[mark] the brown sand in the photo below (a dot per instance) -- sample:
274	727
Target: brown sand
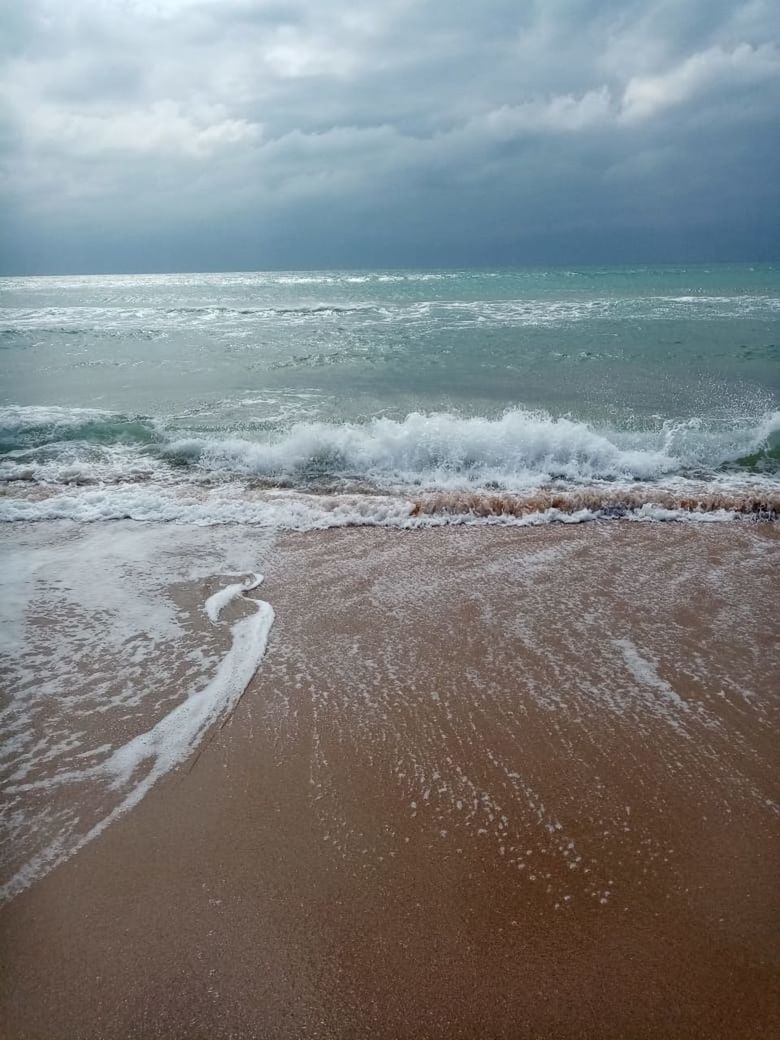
487	783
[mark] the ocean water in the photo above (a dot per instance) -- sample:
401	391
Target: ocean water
307	399
222	410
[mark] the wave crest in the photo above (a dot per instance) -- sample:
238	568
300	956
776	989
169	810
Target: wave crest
442	451
438	452
23	427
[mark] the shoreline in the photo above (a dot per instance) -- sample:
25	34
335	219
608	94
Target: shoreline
487	781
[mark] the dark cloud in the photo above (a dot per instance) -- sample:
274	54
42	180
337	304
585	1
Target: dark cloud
167	134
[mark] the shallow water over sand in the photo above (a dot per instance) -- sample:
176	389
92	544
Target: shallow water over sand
603	637
516	782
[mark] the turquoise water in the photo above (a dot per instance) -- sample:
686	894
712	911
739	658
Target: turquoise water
386	381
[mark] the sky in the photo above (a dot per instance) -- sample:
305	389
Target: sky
179	135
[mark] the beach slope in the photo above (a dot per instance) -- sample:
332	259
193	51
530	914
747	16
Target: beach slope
487	782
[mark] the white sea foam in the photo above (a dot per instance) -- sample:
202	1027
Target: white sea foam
176	736
295	511
518	450
437	450
646	673
216	603
99	466
94	641
137	765
291	511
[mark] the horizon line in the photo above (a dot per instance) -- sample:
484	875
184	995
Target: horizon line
561	265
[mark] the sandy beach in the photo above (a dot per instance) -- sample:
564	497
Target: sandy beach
487	782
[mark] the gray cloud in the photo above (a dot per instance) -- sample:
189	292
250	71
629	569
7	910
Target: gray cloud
151	134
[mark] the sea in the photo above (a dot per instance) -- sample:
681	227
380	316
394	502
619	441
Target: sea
331	398
161	436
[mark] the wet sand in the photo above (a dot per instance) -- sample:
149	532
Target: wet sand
487	783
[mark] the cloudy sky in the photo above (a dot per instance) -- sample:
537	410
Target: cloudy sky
153	135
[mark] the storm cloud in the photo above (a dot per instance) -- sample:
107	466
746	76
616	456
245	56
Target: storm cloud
224	134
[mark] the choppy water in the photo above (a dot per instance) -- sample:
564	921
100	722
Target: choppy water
210	398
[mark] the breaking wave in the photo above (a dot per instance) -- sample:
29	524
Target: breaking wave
514	452
439	452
